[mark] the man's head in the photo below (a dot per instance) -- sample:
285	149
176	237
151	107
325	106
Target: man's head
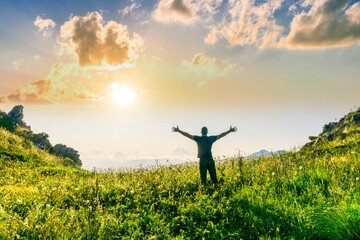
204	131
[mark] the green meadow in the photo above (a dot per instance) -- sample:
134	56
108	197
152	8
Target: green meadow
310	193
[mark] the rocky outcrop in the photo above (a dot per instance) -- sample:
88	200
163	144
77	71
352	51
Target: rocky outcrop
41	140
340	130
15	118
67	152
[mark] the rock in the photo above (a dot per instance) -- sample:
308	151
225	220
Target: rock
328	127
312	138
41	140
16	116
356	117
62	150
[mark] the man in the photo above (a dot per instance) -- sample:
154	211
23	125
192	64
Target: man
204	144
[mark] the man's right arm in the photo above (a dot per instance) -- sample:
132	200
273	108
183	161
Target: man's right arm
176	129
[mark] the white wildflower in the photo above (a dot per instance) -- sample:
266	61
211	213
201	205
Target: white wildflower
273	173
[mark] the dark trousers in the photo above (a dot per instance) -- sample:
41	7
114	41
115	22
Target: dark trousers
207	164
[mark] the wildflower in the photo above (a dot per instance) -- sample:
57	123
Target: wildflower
345	160
273	173
76	189
19	201
132	191
300	167
357	179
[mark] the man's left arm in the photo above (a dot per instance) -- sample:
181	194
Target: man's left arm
232	129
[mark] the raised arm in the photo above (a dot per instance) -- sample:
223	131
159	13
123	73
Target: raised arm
176	129
232	129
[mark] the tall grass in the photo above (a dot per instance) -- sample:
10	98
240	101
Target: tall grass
297	195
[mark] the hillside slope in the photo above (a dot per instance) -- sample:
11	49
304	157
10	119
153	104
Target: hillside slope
13	122
342	133
294	195
18	150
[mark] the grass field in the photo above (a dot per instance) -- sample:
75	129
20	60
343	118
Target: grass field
297	195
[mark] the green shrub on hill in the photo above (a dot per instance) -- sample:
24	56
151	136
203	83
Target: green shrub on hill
5	122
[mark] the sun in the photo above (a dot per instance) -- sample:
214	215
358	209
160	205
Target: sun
124	96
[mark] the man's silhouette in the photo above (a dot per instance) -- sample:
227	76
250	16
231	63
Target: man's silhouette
204	144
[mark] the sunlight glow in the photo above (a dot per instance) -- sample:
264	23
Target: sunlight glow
124	96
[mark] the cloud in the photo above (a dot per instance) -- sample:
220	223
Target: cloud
36	57
306	3
98	45
3	99
120	160
46	26
17	63
129	8
200	60
173	11
23	96
328	23
182	152
206	67
292	8
316	24
185	11
56	87
248	23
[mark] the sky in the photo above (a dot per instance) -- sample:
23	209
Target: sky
111	78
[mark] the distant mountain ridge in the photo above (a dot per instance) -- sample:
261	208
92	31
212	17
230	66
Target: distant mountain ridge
264	152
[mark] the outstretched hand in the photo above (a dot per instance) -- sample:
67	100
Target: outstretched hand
176	129
233	129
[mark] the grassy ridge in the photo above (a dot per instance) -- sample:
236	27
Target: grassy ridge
292	196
